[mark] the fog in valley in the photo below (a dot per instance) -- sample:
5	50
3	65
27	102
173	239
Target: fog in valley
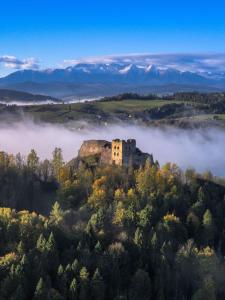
201	149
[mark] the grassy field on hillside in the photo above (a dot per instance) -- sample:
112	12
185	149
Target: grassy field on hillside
155	112
131	105
93	111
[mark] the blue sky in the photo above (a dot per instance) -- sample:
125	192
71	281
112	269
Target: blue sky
45	33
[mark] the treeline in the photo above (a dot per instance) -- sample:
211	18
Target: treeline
194	97
194	103
115	233
130	96
205	98
207	103
28	182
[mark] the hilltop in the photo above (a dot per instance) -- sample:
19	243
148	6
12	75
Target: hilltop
8	96
116	153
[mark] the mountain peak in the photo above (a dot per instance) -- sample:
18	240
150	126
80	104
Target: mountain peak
126	69
152	69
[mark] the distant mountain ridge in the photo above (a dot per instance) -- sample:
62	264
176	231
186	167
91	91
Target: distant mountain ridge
109	76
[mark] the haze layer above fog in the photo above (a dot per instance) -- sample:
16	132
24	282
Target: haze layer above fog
201	149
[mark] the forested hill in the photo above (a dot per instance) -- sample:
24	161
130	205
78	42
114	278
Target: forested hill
8	96
114	233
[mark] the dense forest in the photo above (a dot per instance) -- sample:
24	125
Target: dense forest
111	233
185	96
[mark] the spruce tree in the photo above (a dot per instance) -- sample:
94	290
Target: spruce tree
209	229
41	242
40	291
84	284
97	286
73	290
20	248
75	267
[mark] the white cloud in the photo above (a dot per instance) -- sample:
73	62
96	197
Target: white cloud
89	60
193	62
13	62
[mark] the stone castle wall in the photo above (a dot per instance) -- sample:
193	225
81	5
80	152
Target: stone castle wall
119	152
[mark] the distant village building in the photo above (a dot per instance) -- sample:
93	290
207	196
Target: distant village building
118	152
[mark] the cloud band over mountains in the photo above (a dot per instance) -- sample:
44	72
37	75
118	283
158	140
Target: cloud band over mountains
193	62
184	62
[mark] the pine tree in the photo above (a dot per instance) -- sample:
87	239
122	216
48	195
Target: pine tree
56	215
138	238
97	286
98	248
75	267
69	272
52	254
41	242
73	290
209	229
24	260
84	284
40	291
51	244
60	271
61	279
20	248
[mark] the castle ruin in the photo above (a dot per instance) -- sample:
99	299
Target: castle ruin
118	152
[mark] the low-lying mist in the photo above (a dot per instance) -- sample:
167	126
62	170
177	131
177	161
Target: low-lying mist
67	100
201	149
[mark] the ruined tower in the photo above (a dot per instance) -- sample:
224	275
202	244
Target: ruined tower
118	152
123	151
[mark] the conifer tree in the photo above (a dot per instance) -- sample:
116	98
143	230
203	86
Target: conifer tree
20	248
51	244
98	247
61	279
208	225
75	267
84	284
40	291
97	286
73	290
56	215
41	243
52	254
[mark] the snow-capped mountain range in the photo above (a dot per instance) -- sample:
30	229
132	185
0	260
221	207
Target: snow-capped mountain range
110	77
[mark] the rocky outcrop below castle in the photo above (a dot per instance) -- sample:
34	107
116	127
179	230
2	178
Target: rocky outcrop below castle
98	148
117	152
